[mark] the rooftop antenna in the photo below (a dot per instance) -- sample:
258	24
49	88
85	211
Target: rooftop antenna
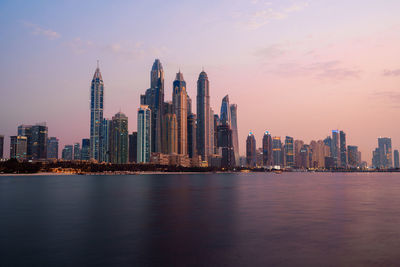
97	63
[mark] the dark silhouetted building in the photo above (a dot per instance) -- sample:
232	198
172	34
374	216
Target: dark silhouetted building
203	135
85	151
119	140
289	152
343	150
251	151
267	149
192	129
77	151
353	160
96	114
1	146
133	147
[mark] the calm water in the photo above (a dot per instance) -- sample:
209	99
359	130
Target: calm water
290	219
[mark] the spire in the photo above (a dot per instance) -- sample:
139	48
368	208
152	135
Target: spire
97	73
179	76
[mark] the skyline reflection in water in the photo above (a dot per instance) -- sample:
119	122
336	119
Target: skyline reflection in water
201	219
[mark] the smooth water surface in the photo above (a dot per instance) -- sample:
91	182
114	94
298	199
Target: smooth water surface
255	219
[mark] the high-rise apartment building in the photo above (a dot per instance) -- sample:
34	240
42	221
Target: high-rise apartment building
119	139
67	152
105	140
277	151
1	146
396	159
289	152
343	150
18	147
385	152
85	151
77	151
192	128
335	147
353	160
267	149
96	114
144	134
204	148
52	148
180	100
133	147
251	151
235	134
26	130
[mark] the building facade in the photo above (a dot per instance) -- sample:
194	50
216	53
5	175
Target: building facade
144	134
180	101
18	147
251	151
52	148
119	139
204	148
96	114
133	147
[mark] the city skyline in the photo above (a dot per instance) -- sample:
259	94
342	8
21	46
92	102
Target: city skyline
347	82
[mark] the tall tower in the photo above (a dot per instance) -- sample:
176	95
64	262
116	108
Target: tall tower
251	150
96	113
203	117
225	116
289	151
267	149
156	104
119	139
343	150
180	101
335	147
143	134
235	135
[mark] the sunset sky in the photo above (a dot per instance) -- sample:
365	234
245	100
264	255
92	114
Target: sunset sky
297	68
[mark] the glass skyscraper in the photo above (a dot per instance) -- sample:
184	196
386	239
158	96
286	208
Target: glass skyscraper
180	101
204	148
251	153
144	134
119	140
96	114
52	148
235	134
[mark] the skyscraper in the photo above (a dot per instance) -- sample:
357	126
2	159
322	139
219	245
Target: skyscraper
235	134
289	151
385	152
215	124
67	152
396	159
1	146
171	134
18	147
335	147
224	130
180	101
96	114
343	150
203	116
353	160
192	128
52	148
251	151
211	134
39	141
119	139
277	151
85	151
105	140
133	147
144	134
267	149
154	98
77	151
26	130
298	144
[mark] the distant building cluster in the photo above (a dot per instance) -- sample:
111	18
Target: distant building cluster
330	153
170	133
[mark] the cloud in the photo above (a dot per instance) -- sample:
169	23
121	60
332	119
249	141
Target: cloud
331	70
271	51
37	30
389	73
388	96
80	46
263	16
